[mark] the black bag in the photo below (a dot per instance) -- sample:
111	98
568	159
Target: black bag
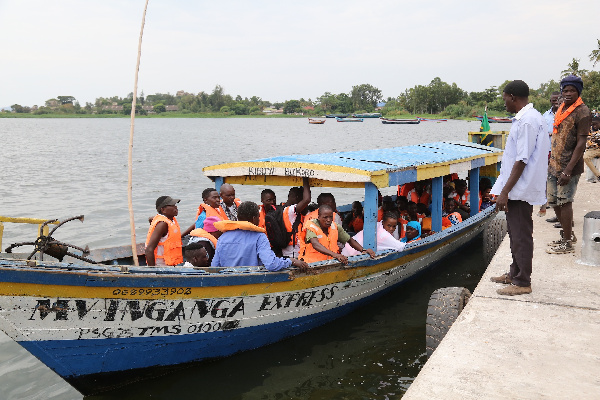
278	235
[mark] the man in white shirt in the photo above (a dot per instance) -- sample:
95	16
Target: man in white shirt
521	184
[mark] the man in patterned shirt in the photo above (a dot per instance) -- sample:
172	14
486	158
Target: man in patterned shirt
571	129
592	151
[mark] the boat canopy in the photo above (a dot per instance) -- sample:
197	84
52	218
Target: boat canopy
368	169
352	169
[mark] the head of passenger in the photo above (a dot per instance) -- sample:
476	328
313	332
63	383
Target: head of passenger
211	197
419	187
389	222
227	194
412	209
249	211
387	204
555	101
460	186
325	216
357	209
421	208
450	206
485	183
209	226
571	87
413	231
196	254
167	206
515	94
327	199
295	195
402	203
595	124
267	198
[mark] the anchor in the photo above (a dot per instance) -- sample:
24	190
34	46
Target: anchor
46	244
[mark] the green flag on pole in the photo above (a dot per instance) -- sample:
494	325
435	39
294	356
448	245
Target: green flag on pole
486	140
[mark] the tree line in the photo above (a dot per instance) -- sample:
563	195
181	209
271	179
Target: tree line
437	97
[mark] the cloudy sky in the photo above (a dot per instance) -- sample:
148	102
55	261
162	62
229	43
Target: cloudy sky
281	50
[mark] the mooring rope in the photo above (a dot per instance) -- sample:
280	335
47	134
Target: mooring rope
130	161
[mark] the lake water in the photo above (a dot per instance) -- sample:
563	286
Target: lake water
58	168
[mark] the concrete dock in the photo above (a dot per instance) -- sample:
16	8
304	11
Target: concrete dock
543	345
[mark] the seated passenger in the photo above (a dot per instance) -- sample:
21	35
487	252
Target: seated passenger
321	238
387	205
196	256
450	216
325	199
243	243
229	203
413	232
385	240
268	200
486	198
418	194
207	241
402	205
462	197
413	215
355	219
211	207
163	242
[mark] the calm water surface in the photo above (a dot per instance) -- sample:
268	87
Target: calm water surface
58	168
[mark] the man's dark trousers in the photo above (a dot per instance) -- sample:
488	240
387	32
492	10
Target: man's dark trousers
520	231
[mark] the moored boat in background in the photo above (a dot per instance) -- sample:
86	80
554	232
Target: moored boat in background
367	115
316	121
349	119
399	121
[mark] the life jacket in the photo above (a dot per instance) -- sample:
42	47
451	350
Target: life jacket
464	199
308	253
211	212
451	219
404	189
357	224
225	226
261	216
199	232
315	215
289	227
423	199
379	214
170	249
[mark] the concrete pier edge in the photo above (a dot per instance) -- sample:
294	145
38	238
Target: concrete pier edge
543	345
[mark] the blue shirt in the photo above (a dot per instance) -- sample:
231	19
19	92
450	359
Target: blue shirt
240	248
200	220
528	141
549	118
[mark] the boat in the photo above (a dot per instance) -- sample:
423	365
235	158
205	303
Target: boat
349	119
433	119
367	115
400	121
316	121
337	115
504	120
96	321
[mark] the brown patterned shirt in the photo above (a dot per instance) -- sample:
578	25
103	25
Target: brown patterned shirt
565	140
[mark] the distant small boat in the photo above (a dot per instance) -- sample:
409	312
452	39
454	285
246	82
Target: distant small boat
316	121
504	120
400	121
337	115
433	119
367	115
349	119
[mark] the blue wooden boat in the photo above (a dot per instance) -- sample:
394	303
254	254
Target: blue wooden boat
97	324
337	115
391	121
349	119
367	115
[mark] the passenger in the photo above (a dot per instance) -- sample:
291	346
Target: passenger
413	232
461	195
329	200
209	226
243	243
487	198
403	190
229	203
387	205
293	218
321	238
210	208
413	214
203	233
422	210
402	204
450	216
268	200
208	242
419	195
163	242
355	219
385	238
592	151
196	256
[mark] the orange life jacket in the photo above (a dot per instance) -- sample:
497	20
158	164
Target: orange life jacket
225	226
211	212
447	223
170	249
329	241
288	224
199	232
423	199
464	199
315	215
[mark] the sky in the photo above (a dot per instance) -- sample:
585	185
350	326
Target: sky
283	50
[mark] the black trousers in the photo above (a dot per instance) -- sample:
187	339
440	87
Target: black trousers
520	232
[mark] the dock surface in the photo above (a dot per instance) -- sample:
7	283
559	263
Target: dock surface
543	345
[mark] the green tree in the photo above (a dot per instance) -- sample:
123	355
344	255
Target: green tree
225	110
17	108
291	106
365	97
595	54
66	99
159	108
573	69
217	98
240	109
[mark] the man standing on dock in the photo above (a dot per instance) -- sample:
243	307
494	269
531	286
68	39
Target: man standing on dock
571	129
521	184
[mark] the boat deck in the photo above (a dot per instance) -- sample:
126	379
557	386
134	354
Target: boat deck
537	346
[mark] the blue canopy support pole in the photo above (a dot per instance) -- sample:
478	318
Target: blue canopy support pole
370	225
437	192
474	190
218	183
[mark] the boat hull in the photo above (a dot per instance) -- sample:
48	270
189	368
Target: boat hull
119	322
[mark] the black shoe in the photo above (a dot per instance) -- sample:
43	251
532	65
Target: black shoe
553	219
557	225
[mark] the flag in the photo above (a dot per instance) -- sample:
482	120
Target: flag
486	140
